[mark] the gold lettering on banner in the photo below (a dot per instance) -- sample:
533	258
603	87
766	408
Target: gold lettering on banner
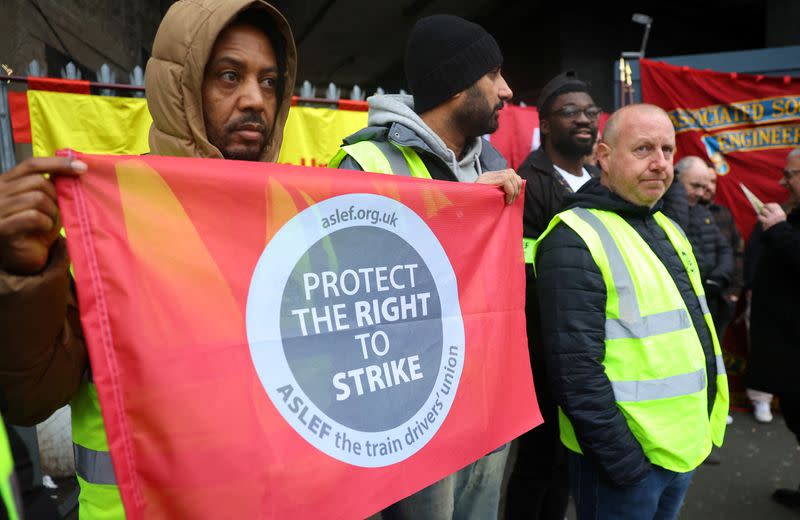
751	139
756	112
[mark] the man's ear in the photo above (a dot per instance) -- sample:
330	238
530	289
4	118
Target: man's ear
544	127
603	153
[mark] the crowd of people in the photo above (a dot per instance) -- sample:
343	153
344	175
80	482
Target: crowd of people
632	269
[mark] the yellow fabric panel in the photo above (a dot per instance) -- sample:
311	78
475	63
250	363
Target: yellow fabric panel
313	135
89	124
114	125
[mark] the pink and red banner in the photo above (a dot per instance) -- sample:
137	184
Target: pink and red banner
271	341
744	125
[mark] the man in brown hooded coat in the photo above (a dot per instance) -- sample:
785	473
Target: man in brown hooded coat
219	85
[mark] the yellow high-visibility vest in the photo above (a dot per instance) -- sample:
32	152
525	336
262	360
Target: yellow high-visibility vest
383	157
653	355
99	497
8	491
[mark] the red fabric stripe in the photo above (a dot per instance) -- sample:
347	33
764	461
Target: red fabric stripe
72	86
20	118
347	104
342	104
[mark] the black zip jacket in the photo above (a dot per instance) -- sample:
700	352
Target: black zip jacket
713	253
544	191
572	298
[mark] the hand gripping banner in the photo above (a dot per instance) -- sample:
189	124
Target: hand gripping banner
271	341
743	125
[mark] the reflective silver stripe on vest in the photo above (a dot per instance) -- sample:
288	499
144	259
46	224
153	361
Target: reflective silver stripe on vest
94	466
652	389
630	324
720	366
703	304
395	158
651	325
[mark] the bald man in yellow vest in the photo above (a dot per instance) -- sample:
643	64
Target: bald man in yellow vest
634	361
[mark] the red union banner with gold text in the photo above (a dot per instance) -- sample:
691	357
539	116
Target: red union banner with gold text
744	125
272	341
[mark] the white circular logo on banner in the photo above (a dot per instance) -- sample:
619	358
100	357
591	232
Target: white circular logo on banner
355	328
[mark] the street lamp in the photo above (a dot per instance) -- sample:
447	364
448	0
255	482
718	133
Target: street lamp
647	21
626	83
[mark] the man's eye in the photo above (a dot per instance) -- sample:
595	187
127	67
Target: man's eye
228	76
268	82
569	111
593	112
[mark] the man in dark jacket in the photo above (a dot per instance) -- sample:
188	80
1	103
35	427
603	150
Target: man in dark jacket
568	124
713	252
774	327
632	357
539	487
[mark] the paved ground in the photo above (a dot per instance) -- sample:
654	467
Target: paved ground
756	459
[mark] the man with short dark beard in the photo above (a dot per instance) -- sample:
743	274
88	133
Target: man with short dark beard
453	70
538	488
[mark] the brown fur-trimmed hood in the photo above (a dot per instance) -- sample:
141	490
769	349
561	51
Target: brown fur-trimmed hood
175	71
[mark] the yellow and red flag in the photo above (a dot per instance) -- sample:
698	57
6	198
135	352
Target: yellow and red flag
271	341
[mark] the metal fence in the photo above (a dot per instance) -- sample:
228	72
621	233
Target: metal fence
106	83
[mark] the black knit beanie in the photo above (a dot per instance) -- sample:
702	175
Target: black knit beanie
446	54
564	83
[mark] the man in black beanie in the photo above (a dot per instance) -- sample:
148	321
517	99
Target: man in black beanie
539	486
453	71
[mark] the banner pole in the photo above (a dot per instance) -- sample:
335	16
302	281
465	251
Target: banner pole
8	158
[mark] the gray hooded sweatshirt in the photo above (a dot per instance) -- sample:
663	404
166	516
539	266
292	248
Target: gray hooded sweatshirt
399	108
